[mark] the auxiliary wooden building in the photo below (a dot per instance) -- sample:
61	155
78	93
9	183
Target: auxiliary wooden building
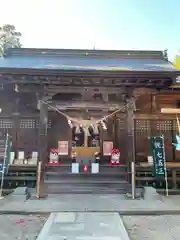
44	91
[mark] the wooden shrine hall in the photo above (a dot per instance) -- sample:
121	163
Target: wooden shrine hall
46	93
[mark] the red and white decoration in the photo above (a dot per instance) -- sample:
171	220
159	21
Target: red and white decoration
53	156
115	156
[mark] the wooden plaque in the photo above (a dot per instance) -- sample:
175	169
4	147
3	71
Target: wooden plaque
107	148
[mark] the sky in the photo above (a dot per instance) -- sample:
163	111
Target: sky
103	24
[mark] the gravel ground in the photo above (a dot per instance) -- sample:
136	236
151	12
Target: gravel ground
153	227
15	227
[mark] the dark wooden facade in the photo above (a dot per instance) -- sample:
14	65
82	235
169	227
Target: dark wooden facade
139	93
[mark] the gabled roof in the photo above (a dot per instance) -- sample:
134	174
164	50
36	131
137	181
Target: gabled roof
62	59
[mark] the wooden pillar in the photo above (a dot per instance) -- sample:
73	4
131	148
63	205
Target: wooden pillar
110	125
115	131
42	144
130	144
16	123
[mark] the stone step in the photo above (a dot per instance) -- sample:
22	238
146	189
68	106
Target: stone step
104	182
52	189
102	168
110	179
64	175
88	186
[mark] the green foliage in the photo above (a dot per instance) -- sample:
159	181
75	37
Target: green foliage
9	38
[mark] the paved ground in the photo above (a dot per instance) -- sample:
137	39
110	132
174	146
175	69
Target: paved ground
27	227
84	226
78	203
153	227
16	227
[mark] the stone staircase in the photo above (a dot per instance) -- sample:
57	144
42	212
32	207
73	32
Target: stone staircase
59	179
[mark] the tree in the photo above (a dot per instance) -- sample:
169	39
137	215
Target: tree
9	38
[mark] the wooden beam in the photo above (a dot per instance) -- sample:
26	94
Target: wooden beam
42	144
170	110
158	116
175	86
144	91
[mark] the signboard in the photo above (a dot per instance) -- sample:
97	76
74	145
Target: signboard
158	154
107	148
63	148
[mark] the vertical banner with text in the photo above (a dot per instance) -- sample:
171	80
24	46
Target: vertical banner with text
158	154
4	167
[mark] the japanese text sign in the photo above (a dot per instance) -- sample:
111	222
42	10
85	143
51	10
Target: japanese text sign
157	148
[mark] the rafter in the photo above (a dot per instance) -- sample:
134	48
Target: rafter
92	79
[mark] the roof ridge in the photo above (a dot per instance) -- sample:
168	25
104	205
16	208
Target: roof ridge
144	54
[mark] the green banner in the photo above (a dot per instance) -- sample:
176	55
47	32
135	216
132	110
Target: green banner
158	154
7	154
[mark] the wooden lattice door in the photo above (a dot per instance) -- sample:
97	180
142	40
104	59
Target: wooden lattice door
142	130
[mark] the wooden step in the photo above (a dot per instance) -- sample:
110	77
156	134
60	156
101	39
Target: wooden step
102	168
86	182
110	179
96	189
108	175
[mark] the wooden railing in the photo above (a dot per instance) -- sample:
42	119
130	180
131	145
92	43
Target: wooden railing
144	175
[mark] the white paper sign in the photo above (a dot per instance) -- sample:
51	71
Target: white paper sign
75	168
150	159
34	154
20	155
94	167
12	156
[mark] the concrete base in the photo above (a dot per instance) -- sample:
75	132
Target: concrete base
22	191
150	193
139	194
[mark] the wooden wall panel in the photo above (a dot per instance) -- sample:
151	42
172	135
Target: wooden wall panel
6	125
143	103
147	128
121	137
165	127
142	132
59	130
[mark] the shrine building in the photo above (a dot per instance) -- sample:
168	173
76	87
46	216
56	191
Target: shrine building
87	101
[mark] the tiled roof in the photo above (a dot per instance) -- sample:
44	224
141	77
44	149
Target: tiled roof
86	62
